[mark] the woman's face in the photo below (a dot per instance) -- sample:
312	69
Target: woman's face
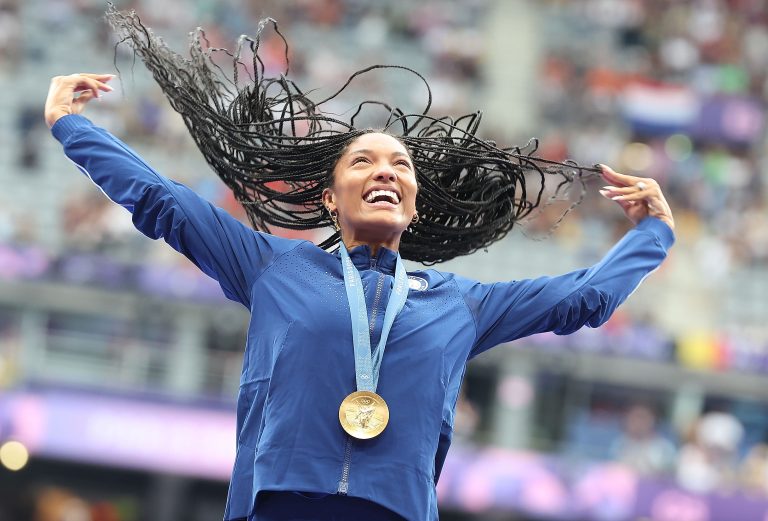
374	189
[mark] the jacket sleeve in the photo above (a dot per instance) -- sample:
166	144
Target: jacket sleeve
220	245
506	311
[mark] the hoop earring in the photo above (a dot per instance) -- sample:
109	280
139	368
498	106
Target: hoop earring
414	220
335	219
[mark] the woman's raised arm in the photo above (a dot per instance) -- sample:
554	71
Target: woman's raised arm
505	311
216	242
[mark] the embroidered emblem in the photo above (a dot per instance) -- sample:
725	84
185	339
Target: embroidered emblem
417	283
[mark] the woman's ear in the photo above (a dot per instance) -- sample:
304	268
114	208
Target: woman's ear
329	201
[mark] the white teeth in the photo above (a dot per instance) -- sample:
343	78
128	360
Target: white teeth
392	196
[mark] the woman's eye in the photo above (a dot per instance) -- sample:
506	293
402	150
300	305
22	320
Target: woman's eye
358	160
404	163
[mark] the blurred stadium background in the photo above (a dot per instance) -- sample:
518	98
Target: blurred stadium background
119	361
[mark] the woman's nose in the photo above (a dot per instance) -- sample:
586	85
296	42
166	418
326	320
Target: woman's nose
386	173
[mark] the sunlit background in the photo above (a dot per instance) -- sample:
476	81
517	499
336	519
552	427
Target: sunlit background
119	360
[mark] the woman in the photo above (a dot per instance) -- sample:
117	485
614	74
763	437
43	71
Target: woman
320	435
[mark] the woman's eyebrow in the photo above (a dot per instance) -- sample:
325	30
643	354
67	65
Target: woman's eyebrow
368	151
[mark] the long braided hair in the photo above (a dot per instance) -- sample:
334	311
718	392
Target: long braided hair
276	149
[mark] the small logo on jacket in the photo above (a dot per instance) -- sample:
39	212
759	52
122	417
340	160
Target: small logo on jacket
417	283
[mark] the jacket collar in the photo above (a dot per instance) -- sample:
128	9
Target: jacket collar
385	261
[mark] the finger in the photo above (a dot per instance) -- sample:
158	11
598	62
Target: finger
83	98
625	205
629	199
637	195
620	190
78	104
644	186
103	86
615	177
100	77
635	210
85	83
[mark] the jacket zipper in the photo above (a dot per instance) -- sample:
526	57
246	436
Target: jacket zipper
376	299
344	482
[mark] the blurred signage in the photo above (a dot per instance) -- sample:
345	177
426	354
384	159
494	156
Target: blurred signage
661	110
121	432
549	488
196	441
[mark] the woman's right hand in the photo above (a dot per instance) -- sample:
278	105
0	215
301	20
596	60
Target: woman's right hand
61	94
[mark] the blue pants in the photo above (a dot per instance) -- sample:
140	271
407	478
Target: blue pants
292	506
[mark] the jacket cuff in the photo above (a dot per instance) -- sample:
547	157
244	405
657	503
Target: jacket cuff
65	126
658	228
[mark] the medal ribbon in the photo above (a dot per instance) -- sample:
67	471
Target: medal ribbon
367	363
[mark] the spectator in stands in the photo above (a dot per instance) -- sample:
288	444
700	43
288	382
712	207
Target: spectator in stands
708	460
753	473
641	446
10	35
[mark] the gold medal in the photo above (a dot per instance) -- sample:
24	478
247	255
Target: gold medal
363	414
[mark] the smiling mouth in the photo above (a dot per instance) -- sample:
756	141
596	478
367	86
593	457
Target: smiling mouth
382	196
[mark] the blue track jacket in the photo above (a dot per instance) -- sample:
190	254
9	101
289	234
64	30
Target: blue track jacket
299	364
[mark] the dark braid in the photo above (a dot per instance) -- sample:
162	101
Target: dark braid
276	149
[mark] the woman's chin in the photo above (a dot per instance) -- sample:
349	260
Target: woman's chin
381	226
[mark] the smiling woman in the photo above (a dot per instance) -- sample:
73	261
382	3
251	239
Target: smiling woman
327	426
372	192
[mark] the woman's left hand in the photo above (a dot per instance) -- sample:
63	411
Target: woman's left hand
639	197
